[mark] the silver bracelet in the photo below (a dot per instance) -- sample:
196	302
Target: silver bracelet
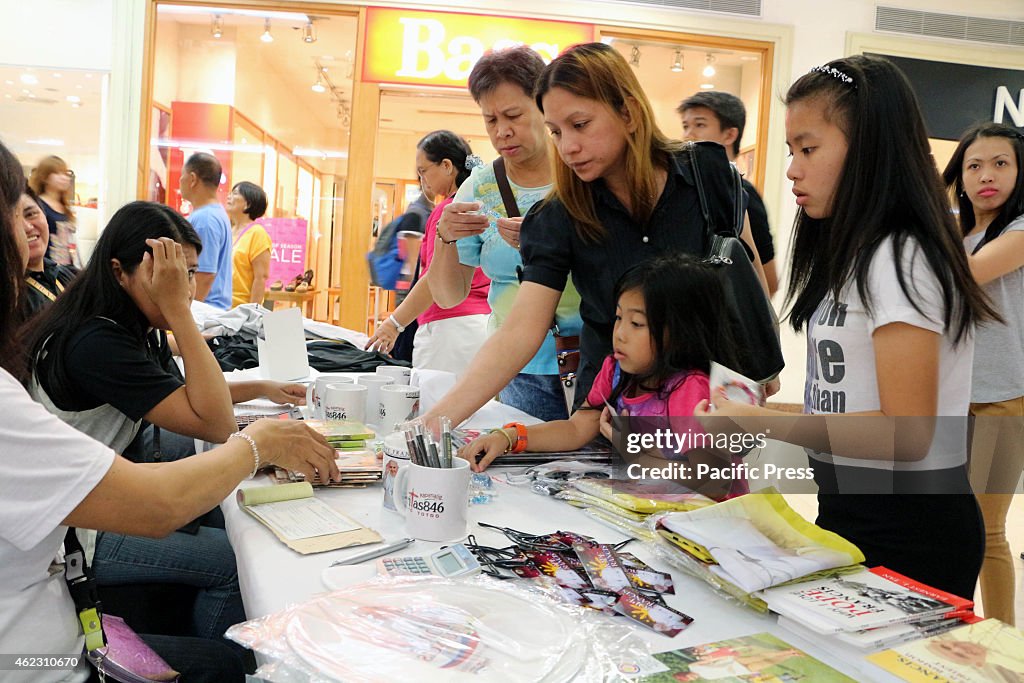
255	451
394	321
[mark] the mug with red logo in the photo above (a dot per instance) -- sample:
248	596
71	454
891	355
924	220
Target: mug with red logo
434	500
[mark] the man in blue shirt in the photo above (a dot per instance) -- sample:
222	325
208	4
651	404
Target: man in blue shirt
200	178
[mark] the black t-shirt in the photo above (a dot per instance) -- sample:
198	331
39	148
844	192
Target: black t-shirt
48	278
110	363
552	250
759	228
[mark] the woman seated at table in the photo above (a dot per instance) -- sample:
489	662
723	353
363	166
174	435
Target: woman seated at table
251	245
98	358
46	279
52	476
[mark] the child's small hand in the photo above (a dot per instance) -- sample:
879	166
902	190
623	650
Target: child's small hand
489	445
607	428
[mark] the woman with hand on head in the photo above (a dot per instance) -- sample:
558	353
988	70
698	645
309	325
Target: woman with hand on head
250	260
98	358
881	282
46	280
446	338
51	181
53	476
476	231
623	194
985	177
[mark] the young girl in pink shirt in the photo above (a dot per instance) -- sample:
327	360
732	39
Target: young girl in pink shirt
668	329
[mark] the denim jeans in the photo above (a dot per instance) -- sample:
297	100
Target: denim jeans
204	560
539	395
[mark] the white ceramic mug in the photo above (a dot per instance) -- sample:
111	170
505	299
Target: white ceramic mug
398	403
434	500
345	401
400	374
373	383
315	392
396	456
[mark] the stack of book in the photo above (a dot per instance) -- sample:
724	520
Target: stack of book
343	435
357	467
866	611
751	543
626	504
987	650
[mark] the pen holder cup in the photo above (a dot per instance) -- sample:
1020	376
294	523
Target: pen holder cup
434	500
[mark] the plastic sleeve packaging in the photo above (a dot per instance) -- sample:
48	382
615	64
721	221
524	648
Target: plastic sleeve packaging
428	629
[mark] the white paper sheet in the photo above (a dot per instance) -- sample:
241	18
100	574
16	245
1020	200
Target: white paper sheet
303	518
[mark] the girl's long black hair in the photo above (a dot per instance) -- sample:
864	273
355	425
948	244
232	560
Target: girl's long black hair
954	179
889	187
96	291
684	303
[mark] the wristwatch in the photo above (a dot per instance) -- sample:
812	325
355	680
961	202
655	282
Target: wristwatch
520	428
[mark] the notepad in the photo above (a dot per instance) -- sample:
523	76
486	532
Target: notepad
300	520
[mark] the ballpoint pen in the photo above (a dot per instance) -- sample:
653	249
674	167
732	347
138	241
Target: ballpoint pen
375	552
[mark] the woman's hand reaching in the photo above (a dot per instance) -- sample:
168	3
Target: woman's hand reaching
294	446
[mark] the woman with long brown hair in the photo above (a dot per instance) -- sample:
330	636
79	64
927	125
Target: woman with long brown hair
622	195
52	180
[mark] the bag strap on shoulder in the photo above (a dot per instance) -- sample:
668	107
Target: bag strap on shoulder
507	197
82	587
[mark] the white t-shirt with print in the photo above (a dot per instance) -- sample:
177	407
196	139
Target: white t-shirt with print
841	376
46	469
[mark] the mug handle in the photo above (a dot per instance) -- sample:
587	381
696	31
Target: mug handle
400	493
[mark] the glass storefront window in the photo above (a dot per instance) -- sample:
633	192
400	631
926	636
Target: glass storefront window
269	93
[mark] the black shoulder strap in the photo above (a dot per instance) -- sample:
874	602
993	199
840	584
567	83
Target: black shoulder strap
511	208
82	587
737	197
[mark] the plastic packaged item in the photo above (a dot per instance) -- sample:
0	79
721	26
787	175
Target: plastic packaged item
551	478
644	497
481	489
434	629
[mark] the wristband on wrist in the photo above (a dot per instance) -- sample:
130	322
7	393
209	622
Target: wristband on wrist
394	321
504	433
443	240
254	448
521	439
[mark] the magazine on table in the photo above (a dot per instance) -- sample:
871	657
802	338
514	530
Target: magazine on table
871	599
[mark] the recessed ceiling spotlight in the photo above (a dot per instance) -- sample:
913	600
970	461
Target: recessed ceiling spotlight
634	56
319	85
29	79
709	70
217	28
677	65
73	98
707	86
308	33
266	37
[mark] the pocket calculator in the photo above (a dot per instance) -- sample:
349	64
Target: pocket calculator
455	560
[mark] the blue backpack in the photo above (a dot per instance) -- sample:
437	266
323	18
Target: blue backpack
383	261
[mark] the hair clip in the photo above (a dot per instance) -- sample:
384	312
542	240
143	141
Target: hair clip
833	72
473	161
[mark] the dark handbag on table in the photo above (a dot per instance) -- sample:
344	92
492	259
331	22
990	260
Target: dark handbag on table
567	348
755	326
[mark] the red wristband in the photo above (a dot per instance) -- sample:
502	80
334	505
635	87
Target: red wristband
520	436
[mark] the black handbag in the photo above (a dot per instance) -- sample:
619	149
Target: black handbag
755	326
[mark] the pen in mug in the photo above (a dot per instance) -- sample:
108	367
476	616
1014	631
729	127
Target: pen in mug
410	443
446	441
432	455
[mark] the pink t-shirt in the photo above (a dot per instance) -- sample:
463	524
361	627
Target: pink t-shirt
476	302
686	390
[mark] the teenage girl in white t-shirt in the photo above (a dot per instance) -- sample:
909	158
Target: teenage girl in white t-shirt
986	179
881	283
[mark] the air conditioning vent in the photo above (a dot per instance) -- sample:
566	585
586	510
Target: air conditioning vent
949	26
748	8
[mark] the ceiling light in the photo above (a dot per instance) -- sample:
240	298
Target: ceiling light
50	142
319	85
707	86
29	79
76	105
677	65
217	29
9	82
73	98
709	70
266	37
55	75
634	56
308	34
